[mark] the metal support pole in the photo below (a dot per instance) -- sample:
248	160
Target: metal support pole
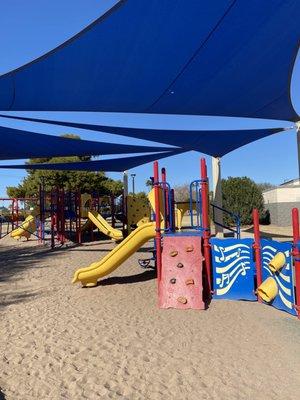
217	194
205	224
157	222
257	249
133	183
125	183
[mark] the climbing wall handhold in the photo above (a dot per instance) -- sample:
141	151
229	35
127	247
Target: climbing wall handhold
179	265
173	253
190	281
189	249
182	300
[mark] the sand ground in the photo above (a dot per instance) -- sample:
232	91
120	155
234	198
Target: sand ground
59	341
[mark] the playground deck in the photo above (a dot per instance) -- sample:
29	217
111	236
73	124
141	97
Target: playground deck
63	342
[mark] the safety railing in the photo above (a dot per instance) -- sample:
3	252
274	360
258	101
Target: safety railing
167	206
235	217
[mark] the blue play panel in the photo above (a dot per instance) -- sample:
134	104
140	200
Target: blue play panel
233	269
285	299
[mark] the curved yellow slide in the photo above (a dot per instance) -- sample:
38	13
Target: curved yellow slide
25	229
89	276
104	226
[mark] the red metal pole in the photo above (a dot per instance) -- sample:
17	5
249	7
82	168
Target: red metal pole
157	221
63	216
257	249
296	254
79	217
113	211
205	223
17	211
13	214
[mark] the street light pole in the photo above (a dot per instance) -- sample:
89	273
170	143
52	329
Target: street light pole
133	187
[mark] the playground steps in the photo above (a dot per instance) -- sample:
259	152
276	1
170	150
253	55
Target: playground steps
181	281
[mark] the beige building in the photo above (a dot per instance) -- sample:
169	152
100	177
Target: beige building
281	200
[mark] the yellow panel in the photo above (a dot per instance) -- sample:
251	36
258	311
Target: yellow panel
138	211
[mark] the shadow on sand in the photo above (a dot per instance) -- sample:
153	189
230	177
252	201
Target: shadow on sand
147	275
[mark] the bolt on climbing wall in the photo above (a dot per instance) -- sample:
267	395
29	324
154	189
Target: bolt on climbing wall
181	277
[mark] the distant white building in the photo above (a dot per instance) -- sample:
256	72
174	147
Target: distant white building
281	200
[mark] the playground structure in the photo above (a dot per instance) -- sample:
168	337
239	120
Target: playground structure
194	268
57	216
19	217
60	216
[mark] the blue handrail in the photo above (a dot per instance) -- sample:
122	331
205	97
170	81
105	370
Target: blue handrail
195	185
168	216
236	218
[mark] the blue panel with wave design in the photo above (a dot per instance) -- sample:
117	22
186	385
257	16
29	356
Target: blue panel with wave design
233	269
285	299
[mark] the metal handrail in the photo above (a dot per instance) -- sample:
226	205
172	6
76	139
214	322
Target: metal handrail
197	185
236	218
170	215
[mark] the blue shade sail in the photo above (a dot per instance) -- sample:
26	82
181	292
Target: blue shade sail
17	144
221	57
111	165
214	143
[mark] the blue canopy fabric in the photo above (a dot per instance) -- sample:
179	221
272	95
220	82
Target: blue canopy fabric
111	165
17	144
221	57
214	143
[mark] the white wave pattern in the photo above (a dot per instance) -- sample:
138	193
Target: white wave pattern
237	258
268	253
222	270
226	289
230	248
234	254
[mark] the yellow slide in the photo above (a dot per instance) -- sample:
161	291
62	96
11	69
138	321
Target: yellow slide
89	276
104	226
25	229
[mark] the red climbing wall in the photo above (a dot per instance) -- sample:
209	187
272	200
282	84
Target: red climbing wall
181	278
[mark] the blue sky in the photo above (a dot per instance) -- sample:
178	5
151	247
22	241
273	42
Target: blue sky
30	28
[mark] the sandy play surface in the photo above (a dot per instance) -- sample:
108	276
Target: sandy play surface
59	341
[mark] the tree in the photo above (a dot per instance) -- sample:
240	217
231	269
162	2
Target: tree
265	186
139	195
240	196
182	192
84	181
